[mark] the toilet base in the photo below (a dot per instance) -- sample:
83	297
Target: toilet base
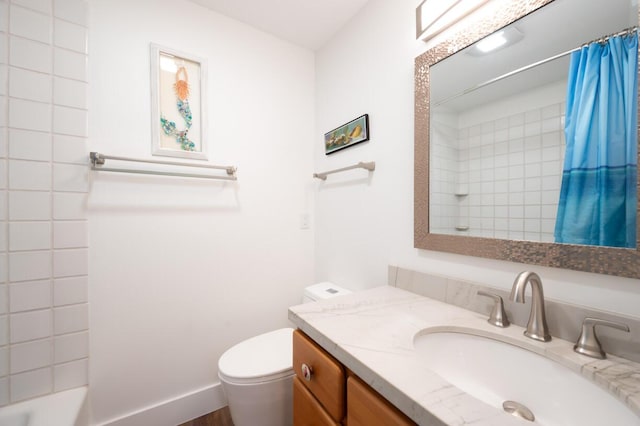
264	404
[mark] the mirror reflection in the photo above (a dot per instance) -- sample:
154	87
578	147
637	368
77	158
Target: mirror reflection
537	140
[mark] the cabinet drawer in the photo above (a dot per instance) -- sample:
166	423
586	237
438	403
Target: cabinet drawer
307	411
365	407
327	380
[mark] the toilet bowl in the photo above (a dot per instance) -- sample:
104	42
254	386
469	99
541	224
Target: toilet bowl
257	373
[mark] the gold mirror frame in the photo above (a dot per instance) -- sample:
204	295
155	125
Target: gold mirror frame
602	260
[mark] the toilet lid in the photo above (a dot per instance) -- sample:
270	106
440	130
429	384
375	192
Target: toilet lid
260	358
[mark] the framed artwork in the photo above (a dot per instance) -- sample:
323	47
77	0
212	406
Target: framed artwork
347	135
178	105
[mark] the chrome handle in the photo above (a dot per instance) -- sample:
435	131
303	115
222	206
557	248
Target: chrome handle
498	315
307	372
588	343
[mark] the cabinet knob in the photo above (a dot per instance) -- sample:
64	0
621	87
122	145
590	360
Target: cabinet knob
307	372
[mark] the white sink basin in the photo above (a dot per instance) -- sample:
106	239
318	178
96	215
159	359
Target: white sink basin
494	372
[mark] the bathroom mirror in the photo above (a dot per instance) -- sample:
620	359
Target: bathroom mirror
454	80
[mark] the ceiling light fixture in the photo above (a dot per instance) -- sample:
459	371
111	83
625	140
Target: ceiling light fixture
492	42
496	41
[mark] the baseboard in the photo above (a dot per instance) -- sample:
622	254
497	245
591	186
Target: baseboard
175	411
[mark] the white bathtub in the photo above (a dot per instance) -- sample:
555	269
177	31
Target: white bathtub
66	408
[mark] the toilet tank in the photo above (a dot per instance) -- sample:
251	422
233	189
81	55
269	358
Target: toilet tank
323	290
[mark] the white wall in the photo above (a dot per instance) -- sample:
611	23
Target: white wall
363	226
183	269
43	184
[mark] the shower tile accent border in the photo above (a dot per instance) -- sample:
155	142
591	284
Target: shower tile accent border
564	319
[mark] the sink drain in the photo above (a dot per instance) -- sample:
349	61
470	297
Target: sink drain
518	410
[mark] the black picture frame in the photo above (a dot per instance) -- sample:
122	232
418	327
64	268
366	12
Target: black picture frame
349	134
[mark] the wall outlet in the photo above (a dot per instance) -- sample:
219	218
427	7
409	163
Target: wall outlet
305	221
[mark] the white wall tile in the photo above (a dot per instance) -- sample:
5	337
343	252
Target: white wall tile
4	330
67	263
70	375
29	54
29	145
30	85
4	299
29	205
29	115
70	121
4	111
4	361
70	347
70	149
70	36
551	111
40	5
4	79
4	274
70	319
31	175
4	391
3	174
32	355
25	266
68	291
29	24
70	178
3	204
29	235
70	64
30	384
4	16
69	206
4	48
4	142
70	93
75	11
29	295
3	237
68	234
30	326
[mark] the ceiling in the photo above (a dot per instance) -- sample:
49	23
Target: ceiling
307	23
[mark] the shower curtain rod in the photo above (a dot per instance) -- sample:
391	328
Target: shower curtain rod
627	31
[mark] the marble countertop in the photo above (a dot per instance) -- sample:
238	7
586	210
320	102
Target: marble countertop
371	332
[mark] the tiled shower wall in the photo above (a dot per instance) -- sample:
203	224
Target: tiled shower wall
512	168
43	191
506	173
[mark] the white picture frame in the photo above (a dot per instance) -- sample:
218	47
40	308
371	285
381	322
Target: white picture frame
178	104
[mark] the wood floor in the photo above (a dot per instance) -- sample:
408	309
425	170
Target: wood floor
221	417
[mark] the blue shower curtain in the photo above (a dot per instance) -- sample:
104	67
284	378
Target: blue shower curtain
598	195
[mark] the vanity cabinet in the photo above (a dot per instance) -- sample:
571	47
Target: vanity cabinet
365	407
319	385
324	393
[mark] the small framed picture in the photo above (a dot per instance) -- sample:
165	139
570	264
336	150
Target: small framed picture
347	135
178	104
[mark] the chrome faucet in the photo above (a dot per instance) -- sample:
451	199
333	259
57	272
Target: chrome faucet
537	328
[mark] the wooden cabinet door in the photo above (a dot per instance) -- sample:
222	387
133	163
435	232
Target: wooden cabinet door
327	380
365	407
307	411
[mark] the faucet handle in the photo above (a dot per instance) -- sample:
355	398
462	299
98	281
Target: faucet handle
498	316
588	343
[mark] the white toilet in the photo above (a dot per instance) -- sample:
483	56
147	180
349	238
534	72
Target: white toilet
257	374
